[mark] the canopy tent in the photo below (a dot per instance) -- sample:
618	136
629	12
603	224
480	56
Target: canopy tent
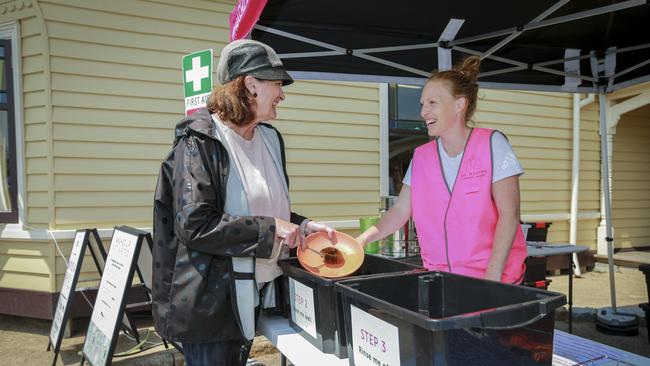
546	45
583	46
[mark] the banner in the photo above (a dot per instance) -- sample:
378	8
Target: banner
244	17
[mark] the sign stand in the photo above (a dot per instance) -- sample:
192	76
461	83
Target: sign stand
110	304
98	253
67	294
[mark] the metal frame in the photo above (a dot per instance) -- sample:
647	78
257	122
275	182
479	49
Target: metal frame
449	45
517	32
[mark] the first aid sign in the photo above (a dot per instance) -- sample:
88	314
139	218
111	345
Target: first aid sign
197	79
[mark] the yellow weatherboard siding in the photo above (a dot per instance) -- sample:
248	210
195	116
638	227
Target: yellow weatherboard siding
116	94
93	145
26	265
631	180
540	128
35	126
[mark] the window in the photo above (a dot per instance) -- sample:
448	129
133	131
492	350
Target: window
406	131
8	173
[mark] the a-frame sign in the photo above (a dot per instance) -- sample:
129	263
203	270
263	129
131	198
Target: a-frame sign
108	311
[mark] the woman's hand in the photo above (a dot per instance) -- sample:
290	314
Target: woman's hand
288	233
313	227
391	221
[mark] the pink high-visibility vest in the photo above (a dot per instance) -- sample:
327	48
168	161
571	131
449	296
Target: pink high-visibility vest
456	225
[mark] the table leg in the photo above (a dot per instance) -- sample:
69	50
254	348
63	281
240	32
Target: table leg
571	267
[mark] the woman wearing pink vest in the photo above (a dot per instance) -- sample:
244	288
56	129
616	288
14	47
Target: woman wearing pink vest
462	188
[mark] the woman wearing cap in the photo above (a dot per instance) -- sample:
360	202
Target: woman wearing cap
222	213
462	188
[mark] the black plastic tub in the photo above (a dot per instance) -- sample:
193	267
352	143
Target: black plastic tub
538	231
415	260
646	307
439	318
313	306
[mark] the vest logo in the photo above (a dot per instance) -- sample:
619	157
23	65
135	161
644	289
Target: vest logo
475	170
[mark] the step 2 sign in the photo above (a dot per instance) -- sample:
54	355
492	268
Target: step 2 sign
197	79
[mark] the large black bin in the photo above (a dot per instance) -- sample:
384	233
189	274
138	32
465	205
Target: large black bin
439	318
314	307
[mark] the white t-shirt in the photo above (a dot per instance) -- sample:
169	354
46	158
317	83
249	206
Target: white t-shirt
263	187
504	162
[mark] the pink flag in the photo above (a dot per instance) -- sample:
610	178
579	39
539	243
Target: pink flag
244	16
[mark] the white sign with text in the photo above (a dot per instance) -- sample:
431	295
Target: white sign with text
110	295
302	307
73	261
374	342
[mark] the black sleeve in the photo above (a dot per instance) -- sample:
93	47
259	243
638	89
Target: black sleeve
201	223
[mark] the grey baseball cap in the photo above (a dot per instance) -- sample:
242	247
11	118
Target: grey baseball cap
249	57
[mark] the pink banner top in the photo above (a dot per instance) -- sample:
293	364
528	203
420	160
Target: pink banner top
244	17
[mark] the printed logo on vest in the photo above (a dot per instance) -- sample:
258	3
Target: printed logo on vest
475	170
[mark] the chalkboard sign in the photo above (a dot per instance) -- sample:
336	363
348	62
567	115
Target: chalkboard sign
101	337
66	297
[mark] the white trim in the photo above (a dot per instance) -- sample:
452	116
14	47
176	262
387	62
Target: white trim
342	224
615	112
11	30
315	75
561	216
536	87
384	102
17	232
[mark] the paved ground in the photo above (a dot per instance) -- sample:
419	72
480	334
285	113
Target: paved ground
23	341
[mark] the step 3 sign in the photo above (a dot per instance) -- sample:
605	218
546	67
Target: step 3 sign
375	342
197	79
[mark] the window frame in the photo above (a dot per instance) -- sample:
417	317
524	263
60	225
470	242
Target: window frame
10	217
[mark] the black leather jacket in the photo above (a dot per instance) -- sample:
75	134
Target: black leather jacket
194	238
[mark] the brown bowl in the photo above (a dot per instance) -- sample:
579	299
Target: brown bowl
351	252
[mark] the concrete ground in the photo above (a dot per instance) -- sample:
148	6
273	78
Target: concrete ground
23	341
592	292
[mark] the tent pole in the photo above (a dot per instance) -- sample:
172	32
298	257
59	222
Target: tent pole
609	320
606	192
